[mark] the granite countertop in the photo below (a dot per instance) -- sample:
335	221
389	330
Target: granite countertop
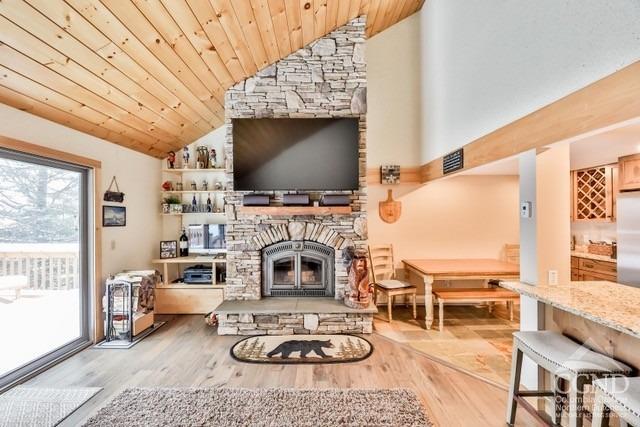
587	255
610	304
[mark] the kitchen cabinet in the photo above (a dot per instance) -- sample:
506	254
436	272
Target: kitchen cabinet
594	193
583	270
630	173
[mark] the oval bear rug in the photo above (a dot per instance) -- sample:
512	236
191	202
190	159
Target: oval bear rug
302	349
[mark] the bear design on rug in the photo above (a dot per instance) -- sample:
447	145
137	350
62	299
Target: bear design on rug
304	347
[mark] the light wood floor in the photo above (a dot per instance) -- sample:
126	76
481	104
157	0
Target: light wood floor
186	352
473	339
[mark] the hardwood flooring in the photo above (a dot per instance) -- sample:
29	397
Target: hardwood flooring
473	339
187	353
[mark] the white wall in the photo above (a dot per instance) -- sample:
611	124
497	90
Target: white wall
486	63
138	175
466	216
460	217
394	115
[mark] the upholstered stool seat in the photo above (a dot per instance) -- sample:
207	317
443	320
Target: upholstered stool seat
393	284
564	359
620	395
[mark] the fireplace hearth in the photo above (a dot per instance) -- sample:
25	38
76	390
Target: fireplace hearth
298	269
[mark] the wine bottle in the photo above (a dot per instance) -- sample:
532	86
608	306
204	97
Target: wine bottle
209	205
184	244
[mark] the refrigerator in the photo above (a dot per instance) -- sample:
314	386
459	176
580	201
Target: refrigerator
628	219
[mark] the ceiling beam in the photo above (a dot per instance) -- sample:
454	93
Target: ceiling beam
606	102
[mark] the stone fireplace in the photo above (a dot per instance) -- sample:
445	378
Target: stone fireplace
271	254
298	269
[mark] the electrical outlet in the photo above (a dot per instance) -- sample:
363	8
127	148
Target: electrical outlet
526	210
553	277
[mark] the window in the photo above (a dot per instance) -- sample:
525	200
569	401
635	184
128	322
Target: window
44	259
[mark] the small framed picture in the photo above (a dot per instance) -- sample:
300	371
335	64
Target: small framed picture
114	216
390	174
168	249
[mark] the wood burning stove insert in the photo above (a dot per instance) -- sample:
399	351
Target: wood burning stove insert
298	268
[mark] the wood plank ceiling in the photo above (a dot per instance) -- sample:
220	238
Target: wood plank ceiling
151	75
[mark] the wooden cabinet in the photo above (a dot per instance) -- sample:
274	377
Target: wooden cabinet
596	266
187	299
585	270
594	194
184	298
630	173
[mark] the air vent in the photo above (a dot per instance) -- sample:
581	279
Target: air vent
280	247
299	293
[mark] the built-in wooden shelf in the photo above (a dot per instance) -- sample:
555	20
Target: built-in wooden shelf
180	171
190	260
295	210
185	289
220	214
181	285
192	191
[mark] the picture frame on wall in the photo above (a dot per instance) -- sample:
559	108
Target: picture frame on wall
114	216
390	174
168	249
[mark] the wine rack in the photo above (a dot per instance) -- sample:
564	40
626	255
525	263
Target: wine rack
594	194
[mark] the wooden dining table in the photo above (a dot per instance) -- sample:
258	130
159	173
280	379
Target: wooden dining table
430	270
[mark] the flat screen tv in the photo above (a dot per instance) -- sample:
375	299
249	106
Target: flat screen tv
295	154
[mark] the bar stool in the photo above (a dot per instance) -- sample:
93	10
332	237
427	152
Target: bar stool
618	394
564	359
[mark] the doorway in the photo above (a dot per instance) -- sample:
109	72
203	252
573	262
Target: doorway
44	260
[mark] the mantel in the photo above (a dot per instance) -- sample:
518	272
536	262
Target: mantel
295	210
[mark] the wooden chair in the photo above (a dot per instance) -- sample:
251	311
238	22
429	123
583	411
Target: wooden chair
511	255
384	279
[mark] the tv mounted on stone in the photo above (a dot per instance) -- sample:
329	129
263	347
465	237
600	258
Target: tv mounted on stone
296	154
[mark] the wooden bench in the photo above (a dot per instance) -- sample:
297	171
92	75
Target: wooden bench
13	283
474	295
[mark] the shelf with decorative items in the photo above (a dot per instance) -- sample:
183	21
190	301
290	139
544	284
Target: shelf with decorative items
193	192
194	265
173	202
183	171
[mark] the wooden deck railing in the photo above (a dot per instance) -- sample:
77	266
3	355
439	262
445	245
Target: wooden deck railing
44	270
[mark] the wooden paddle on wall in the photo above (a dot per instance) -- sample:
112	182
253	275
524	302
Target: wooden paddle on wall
390	209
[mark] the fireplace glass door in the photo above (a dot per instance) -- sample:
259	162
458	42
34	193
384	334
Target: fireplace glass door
298	269
284	272
311	272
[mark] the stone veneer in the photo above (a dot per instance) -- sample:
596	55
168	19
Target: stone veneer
294	323
324	79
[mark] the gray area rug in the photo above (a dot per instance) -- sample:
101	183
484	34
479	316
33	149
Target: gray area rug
41	407
261	407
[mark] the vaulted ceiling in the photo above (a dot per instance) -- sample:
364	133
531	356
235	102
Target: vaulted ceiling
151	74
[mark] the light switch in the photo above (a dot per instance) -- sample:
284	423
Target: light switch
553	277
113	245
526	209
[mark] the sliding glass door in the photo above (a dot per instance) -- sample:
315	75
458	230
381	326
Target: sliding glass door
43	262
